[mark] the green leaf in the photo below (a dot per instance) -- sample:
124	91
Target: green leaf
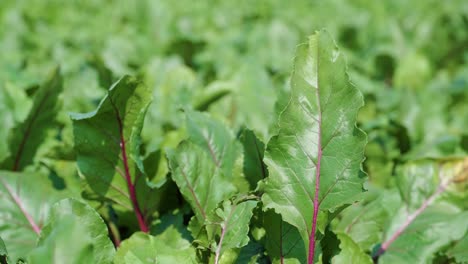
172	85
174	249
199	180
365	223
26	137
14	107
413	72
283	241
419	180
107	144
168	247
203	165
67	244
318	146
252	253
459	252
350	252
155	163
233	219
254	168
26	202
74	233
251	102
139	248
210	95
3	253
432	214
214	139
435	228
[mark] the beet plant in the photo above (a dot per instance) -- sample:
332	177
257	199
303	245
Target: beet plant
188	175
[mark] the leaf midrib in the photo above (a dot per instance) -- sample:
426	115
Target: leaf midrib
312	239
20	206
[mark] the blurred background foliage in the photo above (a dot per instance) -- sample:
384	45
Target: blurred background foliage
233	58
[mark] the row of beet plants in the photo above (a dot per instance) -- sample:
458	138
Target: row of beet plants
301	197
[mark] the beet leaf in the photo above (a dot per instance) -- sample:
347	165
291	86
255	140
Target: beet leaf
315	160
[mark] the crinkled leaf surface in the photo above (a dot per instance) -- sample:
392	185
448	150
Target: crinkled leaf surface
74	233
234	219
167	247
283	241
26	137
202	166
26	202
107	144
199	180
317	139
350	252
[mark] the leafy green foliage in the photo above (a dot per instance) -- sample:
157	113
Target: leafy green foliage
3	252
27	199
254	168
315	159
233	219
27	136
350	252
431	231
14	107
283	241
168	247
107	144
203	163
209	147
428	218
74	231
458	252
365	222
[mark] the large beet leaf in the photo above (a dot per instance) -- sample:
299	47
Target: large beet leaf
74	233
107	143
315	160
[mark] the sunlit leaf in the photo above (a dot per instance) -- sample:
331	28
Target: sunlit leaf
74	233
350	252
233	220
26	202
315	160
168	247
107	143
